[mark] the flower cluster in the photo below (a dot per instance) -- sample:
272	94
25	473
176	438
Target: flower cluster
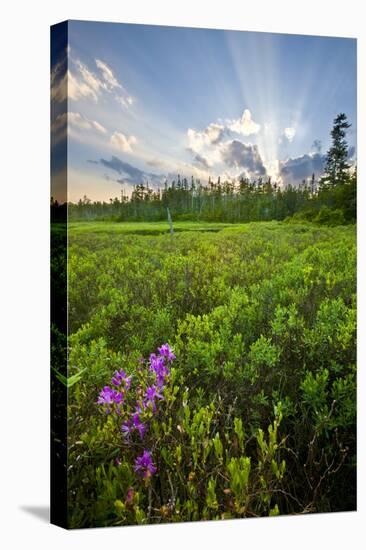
159	367
121	377
108	396
145	465
136	413
134	425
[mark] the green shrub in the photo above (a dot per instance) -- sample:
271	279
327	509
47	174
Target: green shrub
259	414
328	216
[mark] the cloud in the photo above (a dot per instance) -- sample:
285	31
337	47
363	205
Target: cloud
294	170
236	154
111	83
79	121
216	132
122	142
79	81
211	146
201	162
351	152
130	174
125	101
85	83
289	133
316	146
110	80
59	123
77	88
244	125
209	136
73	124
157	163
59	81
59	76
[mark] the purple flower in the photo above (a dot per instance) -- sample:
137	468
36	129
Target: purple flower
140	406
118	397
157	365
162	375
119	377
127	428
144	465
117	461
106	396
165	351
152	393
138	425
109	395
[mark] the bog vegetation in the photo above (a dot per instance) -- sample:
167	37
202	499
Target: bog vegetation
249	411
212	372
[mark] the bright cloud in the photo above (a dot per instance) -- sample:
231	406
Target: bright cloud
79	82
108	76
209	136
289	133
244	125
86	84
79	121
78	88
273	169
215	132
123	143
125	101
210	147
111	83
73	124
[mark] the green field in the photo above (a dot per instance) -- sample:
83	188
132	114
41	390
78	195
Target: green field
258	413
148	228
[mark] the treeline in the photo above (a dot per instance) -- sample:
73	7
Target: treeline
331	199
228	202
192	200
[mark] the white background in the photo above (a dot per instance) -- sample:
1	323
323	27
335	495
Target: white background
24	273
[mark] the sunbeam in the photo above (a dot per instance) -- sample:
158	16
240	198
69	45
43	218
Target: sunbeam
199	102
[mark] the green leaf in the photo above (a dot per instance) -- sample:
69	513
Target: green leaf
68	381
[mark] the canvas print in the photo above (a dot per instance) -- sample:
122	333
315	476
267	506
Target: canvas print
203	307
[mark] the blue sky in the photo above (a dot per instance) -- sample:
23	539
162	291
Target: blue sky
150	102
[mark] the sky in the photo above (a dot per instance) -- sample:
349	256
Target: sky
146	103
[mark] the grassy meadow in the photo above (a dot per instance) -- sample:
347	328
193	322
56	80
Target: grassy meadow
254	411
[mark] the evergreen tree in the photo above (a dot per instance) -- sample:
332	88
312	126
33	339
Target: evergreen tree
336	166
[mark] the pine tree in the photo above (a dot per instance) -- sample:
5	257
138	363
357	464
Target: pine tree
336	166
